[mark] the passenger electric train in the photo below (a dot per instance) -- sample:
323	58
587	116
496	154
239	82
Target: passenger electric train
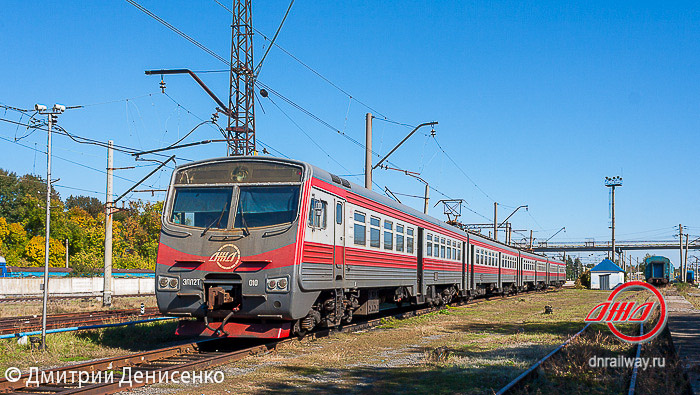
267	247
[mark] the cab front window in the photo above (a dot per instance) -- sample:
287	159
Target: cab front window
202	207
260	206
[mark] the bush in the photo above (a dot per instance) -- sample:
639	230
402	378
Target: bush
86	263
133	261
584	280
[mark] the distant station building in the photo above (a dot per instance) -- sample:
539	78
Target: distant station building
606	275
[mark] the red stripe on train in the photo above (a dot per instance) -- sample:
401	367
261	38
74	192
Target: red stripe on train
280	257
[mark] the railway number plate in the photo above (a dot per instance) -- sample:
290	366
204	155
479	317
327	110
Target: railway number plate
191	281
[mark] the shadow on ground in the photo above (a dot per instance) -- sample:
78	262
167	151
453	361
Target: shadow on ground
440	371
139	337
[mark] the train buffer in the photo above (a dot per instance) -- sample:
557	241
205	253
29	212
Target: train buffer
684	325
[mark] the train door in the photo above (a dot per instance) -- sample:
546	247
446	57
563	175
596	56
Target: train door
518	271
419	268
500	270
339	232
472	260
465	272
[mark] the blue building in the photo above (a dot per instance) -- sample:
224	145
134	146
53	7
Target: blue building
606	275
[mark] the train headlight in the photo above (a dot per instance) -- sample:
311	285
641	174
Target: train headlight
166	283
271	284
277	284
282	284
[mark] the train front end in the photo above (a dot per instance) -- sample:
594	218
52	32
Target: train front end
228	247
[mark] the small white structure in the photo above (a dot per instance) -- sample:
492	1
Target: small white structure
606	275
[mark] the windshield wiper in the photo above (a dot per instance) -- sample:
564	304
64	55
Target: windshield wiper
216	221
245	224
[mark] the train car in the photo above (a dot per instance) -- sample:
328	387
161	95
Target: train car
267	247
657	270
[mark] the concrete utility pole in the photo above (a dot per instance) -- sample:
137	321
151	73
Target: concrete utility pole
495	221
680	249
531	239
426	198
613	182
685	259
66	253
368	150
52	117
107	290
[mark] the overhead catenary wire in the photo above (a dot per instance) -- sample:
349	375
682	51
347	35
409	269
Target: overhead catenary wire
256	72
318	74
55	185
308	135
178	31
462	170
272	42
68	160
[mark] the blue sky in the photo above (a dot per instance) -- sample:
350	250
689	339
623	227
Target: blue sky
537	102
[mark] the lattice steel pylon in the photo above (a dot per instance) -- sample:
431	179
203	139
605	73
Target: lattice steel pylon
240	132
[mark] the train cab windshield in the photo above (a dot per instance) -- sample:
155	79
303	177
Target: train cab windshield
266	206
202	207
258	194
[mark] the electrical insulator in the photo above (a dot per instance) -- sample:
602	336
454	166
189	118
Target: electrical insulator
162	85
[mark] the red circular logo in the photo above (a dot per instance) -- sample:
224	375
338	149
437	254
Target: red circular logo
656	330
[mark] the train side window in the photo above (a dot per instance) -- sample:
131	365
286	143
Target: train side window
360	229
374	232
388	235
317	214
442	251
399	238
409	240
429	249
459	253
339	213
449	252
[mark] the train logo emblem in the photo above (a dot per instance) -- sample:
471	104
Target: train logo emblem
228	256
611	312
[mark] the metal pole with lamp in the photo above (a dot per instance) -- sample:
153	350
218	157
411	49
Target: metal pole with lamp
52	117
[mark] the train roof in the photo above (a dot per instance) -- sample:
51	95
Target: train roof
330	178
657	258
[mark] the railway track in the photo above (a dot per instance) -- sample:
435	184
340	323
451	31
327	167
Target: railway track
198	355
10	325
16	299
528	374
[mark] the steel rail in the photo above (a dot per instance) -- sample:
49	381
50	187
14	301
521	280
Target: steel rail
56	321
77	296
537	364
633	379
